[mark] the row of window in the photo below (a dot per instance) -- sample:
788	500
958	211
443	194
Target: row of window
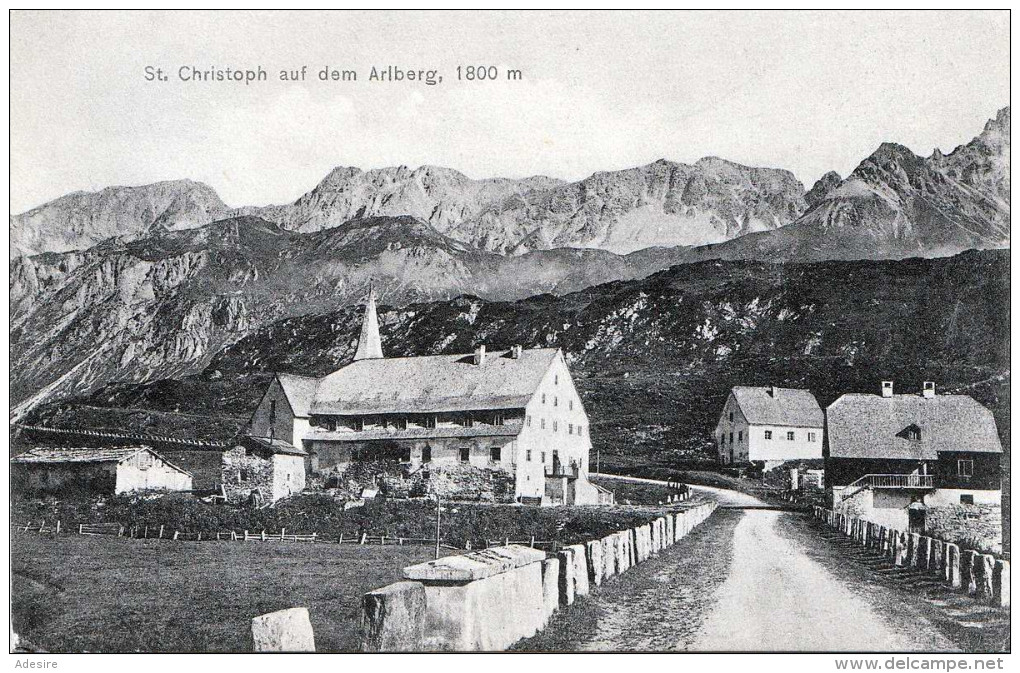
571	428
556	402
790	436
495	454
400	423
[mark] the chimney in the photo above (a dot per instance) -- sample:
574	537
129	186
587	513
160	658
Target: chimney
887	388
480	355
929	389
515	351
774	392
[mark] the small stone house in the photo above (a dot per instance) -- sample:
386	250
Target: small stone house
890	458
97	471
770	425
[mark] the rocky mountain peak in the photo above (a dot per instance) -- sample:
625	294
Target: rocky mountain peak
822	187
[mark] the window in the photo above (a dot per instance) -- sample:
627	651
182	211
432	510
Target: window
495	454
543	424
580	429
527	419
570	405
967	499
543	457
358	423
740	436
556	379
556	401
731	438
731	417
497	419
429	422
272	412
570	428
965	468
400	423
790	435
527	455
543	398
556	426
426	454
465	454
914	433
242	476
812	437
468	422
768	434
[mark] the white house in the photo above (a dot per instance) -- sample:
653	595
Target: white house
769	424
476	416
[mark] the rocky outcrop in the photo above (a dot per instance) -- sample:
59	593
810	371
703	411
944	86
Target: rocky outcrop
822	187
896	204
82	219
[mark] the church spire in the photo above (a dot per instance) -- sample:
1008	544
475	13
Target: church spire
369	344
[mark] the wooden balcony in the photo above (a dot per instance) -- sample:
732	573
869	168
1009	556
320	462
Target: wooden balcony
890	481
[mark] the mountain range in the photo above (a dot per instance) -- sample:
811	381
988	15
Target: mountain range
138	284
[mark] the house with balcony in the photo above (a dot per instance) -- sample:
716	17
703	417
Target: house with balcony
889	458
769	425
503	426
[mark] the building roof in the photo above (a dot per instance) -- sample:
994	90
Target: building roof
118	454
418	433
300	392
276	446
434	383
871	426
779	406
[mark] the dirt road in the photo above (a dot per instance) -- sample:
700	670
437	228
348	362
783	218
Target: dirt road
745	580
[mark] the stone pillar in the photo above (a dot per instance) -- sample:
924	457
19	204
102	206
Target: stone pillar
609	565
968	571
283	631
596	563
393	618
985	571
953	572
566	582
550	588
670	530
581	585
925	560
937	556
1000	584
914	549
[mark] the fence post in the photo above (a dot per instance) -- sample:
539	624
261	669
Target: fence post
532	541
263	535
176	533
58	526
81	527
283	532
364	537
160	531
341	540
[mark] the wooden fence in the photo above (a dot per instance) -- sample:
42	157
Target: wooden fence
165	533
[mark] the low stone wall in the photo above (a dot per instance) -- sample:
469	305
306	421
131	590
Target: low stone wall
980	575
489	599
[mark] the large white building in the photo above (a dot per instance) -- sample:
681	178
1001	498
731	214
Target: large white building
770	425
449	419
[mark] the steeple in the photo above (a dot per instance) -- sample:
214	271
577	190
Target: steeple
369	343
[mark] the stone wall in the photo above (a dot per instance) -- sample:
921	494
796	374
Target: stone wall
489	599
980	575
975	526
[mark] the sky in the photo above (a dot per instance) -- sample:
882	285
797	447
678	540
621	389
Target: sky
805	91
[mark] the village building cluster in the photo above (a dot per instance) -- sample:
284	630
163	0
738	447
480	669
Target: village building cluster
892	459
509	426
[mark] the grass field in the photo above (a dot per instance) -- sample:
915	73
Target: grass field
85	594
